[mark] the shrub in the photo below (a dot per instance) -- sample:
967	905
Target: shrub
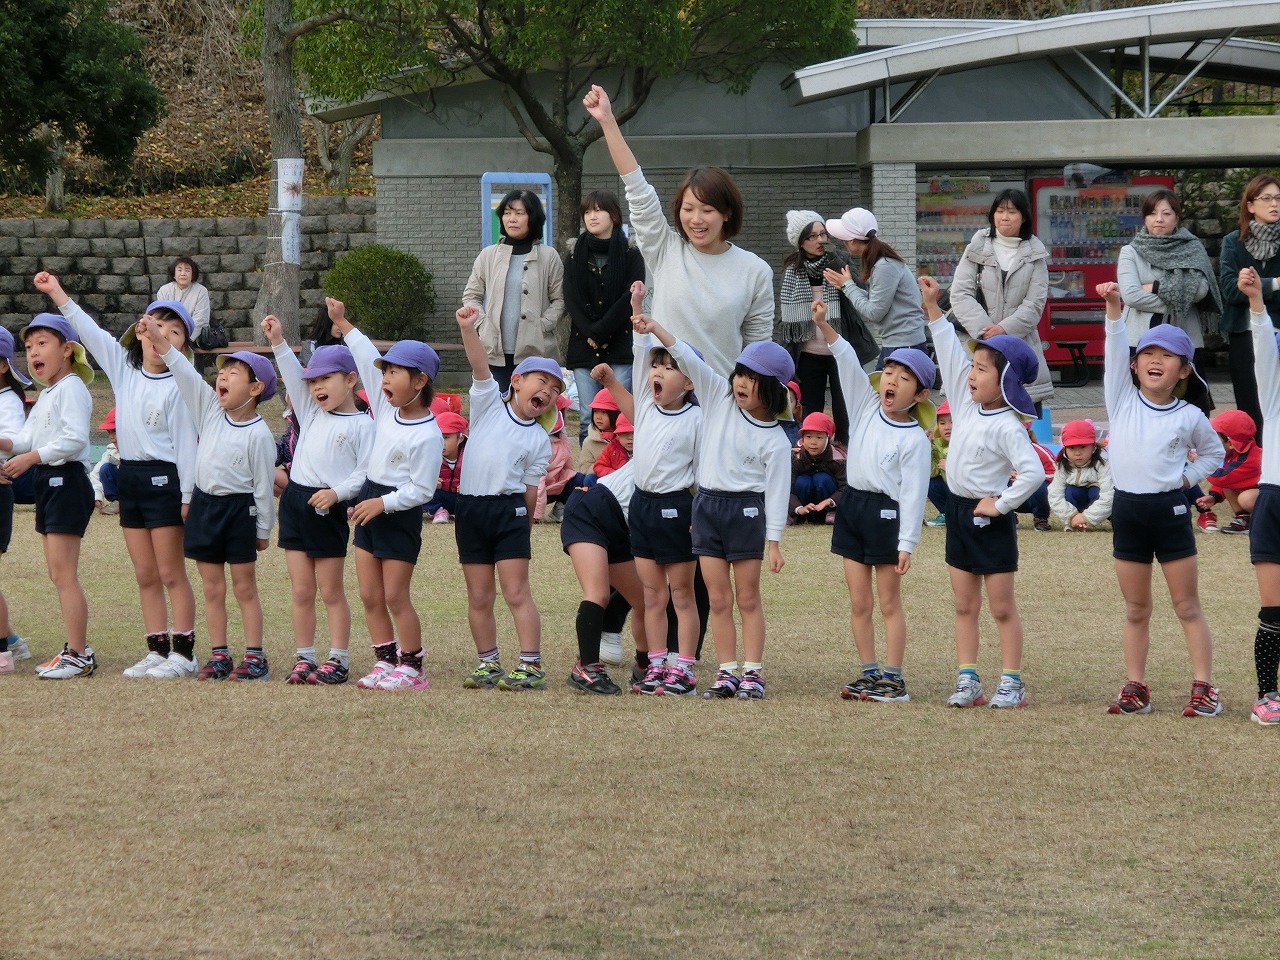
388	293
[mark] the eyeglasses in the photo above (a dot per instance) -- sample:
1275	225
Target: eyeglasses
818	236
1267	198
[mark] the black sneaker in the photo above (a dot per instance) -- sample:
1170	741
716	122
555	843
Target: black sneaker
725	686
889	689
592	679
1041	524
332	672
860	687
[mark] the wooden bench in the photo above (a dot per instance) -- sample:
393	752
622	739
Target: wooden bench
204	356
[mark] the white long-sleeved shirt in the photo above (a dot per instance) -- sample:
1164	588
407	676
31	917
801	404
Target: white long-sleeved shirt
1149	444
233	456
333	448
1266	367
505	454
748	455
622	484
985	444
152	422
406	454
718	302
58	428
12	417
886	456
666	441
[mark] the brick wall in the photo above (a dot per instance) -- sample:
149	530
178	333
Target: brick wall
114	267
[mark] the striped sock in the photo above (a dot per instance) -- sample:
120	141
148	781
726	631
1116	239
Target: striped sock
969	670
657	656
533	657
489	656
871	669
1012	675
686	662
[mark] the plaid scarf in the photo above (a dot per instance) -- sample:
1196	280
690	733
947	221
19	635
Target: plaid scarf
796	299
1263	240
1183	259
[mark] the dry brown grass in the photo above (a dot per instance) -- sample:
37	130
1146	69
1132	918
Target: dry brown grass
147	820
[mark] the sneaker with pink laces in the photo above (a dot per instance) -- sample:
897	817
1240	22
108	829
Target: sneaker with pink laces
404	677
370	680
1266	712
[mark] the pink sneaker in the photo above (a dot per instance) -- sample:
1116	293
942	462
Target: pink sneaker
1266	712
6	662
370	681
440	516
404	677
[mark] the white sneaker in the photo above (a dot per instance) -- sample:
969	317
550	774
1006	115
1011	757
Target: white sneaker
71	665
404	678
139	669
6	662
370	680
611	648
1010	694
18	649
55	662
173	667
968	693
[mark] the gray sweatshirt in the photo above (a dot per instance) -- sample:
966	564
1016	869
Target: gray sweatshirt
890	306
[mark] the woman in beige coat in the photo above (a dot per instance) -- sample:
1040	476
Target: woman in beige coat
518	286
1002	282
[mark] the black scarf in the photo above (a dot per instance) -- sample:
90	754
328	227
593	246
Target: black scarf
579	292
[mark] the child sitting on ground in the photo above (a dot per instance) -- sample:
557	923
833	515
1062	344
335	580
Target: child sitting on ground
604	414
941	439
1236	481
619	448
106	493
817	475
453	428
1082	489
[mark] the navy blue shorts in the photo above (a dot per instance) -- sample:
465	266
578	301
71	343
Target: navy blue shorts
221	529
866	528
594	516
303	528
1264	525
389	536
492	528
980	548
150	494
660	525
6	516
64	499
729	525
1147	525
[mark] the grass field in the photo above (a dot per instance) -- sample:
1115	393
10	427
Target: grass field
185	820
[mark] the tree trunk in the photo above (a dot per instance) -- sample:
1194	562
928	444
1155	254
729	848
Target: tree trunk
55	178
337	164
278	294
567	177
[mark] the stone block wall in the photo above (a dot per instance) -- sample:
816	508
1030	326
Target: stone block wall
114	267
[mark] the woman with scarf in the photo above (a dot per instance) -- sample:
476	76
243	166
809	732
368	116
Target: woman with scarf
803	284
597	294
1002	282
1165	275
1256	244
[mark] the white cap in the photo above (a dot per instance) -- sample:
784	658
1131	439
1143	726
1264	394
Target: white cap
855	224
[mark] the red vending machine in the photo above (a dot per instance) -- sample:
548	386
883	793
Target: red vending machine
1083	225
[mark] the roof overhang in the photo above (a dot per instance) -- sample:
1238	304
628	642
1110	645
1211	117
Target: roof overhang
1169	27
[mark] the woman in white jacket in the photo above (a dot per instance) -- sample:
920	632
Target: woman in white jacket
1165	275
1002	283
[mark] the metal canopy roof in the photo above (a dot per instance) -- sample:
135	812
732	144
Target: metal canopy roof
1196	36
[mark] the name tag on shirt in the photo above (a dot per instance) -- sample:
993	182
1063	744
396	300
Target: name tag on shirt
159	481
55	481
888	514
751	512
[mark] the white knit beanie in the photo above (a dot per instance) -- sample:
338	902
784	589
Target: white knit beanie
797	220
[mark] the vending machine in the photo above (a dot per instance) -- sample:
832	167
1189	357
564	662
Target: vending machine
1083	223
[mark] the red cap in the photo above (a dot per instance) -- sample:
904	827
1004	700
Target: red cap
623	425
450	422
945	409
818	423
603	400
1237	426
109	423
1079	433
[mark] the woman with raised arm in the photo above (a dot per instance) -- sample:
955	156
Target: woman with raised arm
707	291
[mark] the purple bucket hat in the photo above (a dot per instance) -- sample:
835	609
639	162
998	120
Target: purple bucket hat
263	372
1174	339
918	362
333	358
413	354
59	325
769	360
1022	367
6	354
540	365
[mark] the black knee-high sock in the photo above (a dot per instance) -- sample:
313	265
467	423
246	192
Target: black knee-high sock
590	624
615	612
1266	649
